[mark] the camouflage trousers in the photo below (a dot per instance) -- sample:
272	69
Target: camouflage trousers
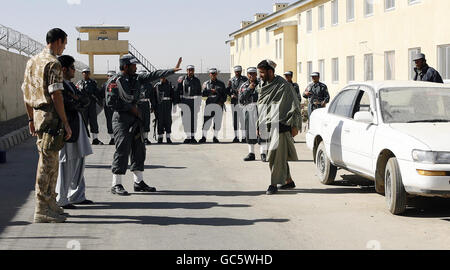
46	175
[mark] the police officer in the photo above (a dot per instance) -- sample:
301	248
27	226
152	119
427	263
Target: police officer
316	93
425	72
164	98
144	107
87	86
248	97
288	76
108	111
123	94
189	90
234	85
216	94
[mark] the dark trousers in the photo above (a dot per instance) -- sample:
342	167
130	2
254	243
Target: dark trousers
164	115
144	107
129	146
108	115
189	123
90	114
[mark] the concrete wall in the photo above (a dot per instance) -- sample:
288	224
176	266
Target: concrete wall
12	69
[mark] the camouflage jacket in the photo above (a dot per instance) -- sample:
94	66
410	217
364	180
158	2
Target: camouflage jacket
43	76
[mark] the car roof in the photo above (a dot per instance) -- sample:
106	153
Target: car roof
378	85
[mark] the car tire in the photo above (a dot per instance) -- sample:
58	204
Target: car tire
325	170
393	188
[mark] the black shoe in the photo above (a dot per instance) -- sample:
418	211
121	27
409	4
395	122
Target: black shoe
97	142
215	140
263	158
187	141
111	142
147	142
290	185
69	206
236	140
143	187
202	140
250	157
119	190
169	141
85	202
272	190
160	141
244	140
193	141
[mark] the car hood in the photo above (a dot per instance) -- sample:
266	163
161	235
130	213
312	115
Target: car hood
435	135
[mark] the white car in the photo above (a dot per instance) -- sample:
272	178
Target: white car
394	133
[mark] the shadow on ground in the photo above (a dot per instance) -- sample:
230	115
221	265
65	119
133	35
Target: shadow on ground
165	221
146	167
159	205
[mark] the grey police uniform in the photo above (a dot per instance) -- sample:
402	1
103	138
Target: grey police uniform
248	98
427	74
164	100
89	87
238	116
219	98
124	92
319	92
108	111
297	91
190	92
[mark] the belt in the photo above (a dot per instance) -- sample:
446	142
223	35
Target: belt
189	97
166	98
213	96
144	100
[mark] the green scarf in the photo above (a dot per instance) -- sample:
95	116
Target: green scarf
281	94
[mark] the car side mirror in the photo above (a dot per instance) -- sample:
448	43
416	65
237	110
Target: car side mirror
364	117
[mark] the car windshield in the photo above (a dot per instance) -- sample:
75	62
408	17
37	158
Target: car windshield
415	105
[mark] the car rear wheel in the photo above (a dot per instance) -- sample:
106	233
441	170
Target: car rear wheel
394	190
325	170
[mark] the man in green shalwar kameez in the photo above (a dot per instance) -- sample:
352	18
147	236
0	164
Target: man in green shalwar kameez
279	121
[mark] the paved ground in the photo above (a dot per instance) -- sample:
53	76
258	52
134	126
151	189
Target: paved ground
210	199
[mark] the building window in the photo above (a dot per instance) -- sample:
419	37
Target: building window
350	10
237	45
321	17
309	68
368	7
309	21
243	43
411	53
389	4
335	70
350	68
444	61
412	2
250	41
280	43
322	69
389	65
276	48
299	67
267	37
258	38
334	12
368	67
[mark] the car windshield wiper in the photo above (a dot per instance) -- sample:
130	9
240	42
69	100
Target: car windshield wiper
430	121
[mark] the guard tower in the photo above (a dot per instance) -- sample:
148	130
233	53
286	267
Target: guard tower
104	40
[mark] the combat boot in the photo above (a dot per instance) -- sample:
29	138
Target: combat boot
43	214
55	208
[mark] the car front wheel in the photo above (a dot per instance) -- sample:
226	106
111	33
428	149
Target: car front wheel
394	190
325	170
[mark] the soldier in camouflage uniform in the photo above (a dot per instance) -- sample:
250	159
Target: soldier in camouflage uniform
123	94
42	90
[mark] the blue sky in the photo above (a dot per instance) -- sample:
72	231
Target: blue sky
161	30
